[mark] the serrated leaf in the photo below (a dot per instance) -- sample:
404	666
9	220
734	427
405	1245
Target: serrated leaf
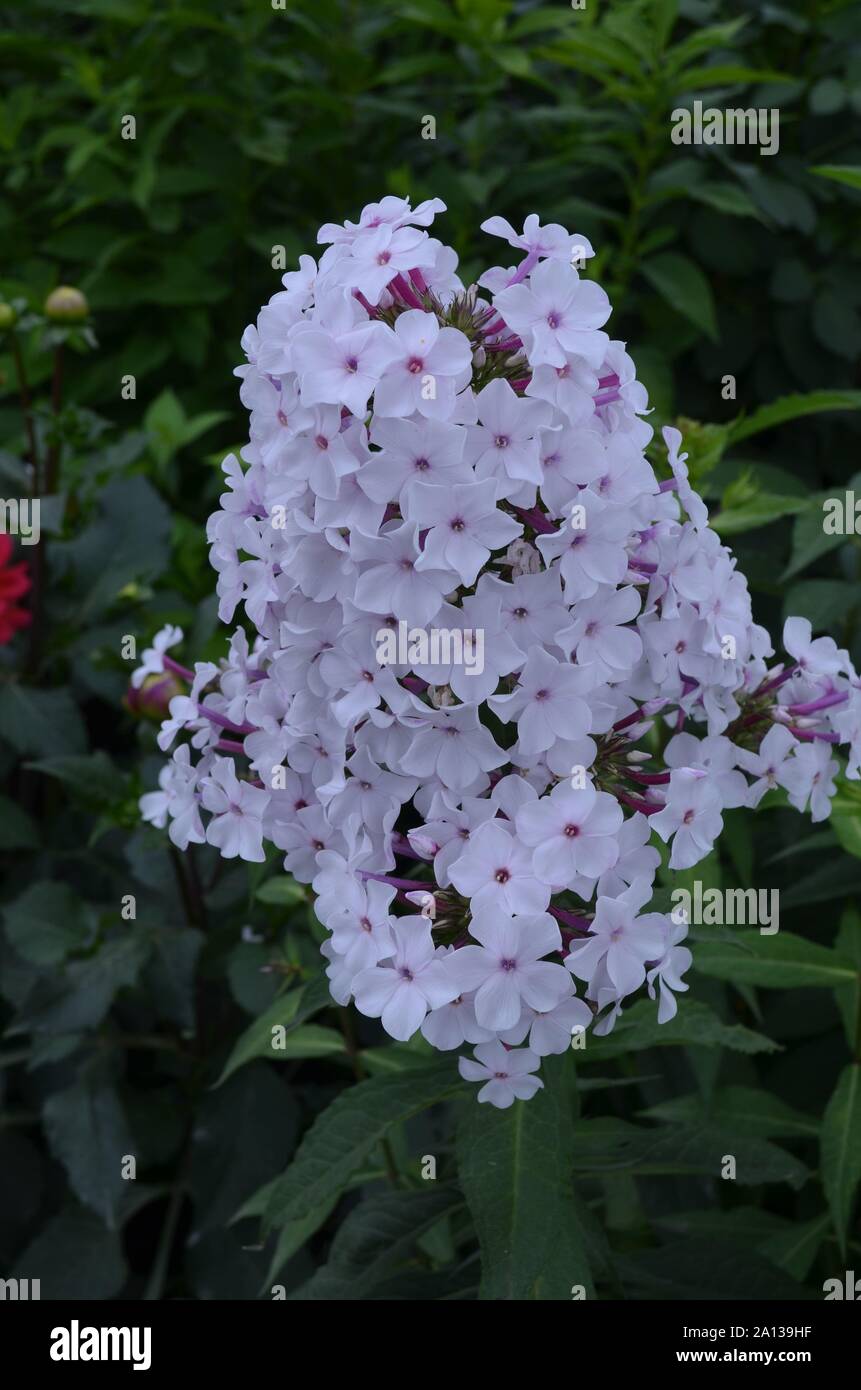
79	997
45	923
796	1249
515	1171
87	1131
341	1139
608	1145
746	1110
375	1238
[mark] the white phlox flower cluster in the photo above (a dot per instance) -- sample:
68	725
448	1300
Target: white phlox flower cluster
428	465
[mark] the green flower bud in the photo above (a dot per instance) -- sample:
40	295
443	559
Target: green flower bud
66	305
7	316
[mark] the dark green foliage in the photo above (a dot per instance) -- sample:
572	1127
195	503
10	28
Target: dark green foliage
137	1015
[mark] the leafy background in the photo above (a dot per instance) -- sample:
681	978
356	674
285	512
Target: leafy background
303	1170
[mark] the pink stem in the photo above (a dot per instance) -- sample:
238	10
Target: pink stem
778	680
399	285
410	885
648	808
223	723
837	697
536	519
571	920
523	269
171	665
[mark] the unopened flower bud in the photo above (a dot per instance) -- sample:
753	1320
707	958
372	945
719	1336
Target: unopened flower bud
152	698
7	316
66	305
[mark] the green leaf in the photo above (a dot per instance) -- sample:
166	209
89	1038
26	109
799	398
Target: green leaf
608	1145
725	197
74	1256
244	1134
841	1149
92	777
748	1111
847	174
87	1131
287	1012
761	510
725	75
822	601
80	996
131	511
386	1061
341	1139
376	1238
309	1041
796	1249
165	423
684	287
833	879
515	1171
708	1268
848	831
781	961
809	540
171	972
18	830
695	1025
45	923
282	891
40	722
792	408
848	997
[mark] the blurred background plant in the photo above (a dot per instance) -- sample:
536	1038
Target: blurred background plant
134	980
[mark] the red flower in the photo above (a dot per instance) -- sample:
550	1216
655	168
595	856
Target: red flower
14	581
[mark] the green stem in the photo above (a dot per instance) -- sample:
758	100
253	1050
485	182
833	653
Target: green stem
158	1274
